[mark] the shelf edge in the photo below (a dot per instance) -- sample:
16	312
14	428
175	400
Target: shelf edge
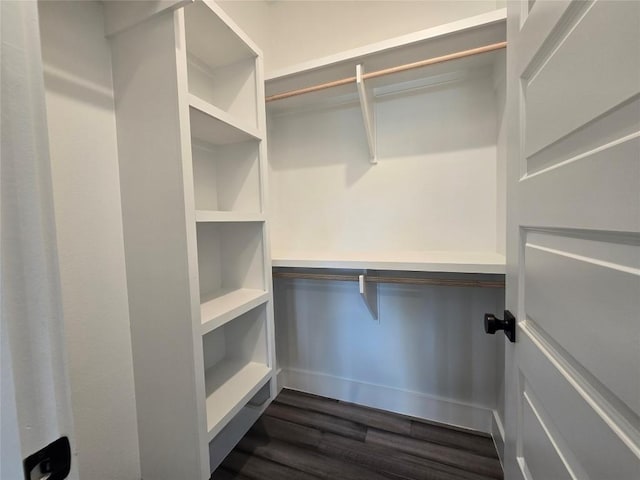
217	216
226	418
229	315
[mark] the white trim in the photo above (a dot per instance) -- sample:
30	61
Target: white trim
405	402
497	423
497	433
280	379
620	426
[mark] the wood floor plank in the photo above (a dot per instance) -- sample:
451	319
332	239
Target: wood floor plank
224	474
391	461
471	442
307	461
489	467
278	429
369	417
255	467
320	421
304	437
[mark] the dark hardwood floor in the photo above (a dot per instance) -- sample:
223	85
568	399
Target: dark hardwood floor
303	436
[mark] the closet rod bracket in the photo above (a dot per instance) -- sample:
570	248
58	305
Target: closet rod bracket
366	106
369	294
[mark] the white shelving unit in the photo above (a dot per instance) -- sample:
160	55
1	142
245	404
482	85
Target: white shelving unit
398	172
192	129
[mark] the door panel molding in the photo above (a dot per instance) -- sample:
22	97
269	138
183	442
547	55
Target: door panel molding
586	414
565	298
609	186
584	76
544	28
615	126
540	446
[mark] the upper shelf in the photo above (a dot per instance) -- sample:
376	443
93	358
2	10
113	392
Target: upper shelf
426	261
212	125
467	34
213	37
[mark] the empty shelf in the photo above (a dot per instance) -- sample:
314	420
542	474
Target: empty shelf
426	261
213	37
230	384
212	125
219	216
225	305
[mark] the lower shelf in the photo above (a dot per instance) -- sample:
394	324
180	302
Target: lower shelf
418	261
230	384
225	305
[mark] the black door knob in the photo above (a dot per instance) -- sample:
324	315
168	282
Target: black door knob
493	324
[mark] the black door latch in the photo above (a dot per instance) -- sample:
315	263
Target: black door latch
53	462
493	324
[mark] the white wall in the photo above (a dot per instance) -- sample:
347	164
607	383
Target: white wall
82	135
301	31
252	16
433	188
290	32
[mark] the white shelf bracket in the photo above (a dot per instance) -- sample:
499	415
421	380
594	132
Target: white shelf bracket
369	293
366	106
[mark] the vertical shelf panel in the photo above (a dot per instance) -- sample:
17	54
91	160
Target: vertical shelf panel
158	249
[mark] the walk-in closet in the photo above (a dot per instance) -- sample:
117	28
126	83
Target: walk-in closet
320	239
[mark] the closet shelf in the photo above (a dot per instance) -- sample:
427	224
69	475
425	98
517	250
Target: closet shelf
466	34
230	384
213	37
227	304
203	216
210	124
425	261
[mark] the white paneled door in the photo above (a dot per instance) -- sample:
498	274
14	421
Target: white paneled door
573	375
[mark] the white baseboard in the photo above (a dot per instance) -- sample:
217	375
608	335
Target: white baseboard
279	380
406	402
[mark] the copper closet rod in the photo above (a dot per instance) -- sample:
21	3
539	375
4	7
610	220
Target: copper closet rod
389	71
442	282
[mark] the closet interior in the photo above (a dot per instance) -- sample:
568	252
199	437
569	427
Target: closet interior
387	221
387	189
